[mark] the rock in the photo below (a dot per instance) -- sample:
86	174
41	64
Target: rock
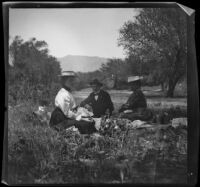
179	122
88	162
41	116
96	136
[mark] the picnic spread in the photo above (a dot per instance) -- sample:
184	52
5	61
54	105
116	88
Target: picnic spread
101	140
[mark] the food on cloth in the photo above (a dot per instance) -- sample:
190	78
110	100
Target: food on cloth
83	114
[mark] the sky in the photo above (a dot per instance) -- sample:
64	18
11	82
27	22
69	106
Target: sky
88	32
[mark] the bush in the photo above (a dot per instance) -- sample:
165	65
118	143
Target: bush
33	151
33	73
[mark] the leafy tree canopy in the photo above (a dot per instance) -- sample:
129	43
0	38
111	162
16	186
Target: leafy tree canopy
31	66
158	35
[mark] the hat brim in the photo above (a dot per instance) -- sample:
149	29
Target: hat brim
133	82
96	84
66	76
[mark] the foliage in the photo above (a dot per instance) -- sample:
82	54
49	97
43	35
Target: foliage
116	69
38	154
32	72
157	37
84	79
156	49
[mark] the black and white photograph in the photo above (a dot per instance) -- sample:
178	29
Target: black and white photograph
97	95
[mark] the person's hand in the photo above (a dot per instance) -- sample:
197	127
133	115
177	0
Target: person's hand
72	114
75	108
88	107
107	112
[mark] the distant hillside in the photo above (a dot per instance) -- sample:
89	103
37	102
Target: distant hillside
81	63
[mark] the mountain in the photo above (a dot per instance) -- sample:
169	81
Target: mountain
81	63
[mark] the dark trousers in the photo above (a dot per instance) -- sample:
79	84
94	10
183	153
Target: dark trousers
143	116
60	122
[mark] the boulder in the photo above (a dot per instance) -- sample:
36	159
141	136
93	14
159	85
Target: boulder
179	122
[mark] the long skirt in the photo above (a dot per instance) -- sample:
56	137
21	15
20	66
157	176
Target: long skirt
60	122
145	115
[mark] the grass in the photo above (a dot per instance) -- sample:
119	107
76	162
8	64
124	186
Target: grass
119	97
37	154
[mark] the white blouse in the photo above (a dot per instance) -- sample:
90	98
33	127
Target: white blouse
65	101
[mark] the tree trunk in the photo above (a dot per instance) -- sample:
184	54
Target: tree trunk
171	87
162	86
115	82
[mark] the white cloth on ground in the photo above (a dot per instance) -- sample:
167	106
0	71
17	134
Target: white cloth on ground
179	122
136	124
97	123
83	114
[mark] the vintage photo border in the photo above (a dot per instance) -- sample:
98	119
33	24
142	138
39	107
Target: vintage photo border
192	74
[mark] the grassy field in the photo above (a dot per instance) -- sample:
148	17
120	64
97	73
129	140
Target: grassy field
37	154
154	96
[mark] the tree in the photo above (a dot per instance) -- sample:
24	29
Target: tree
31	67
158	34
116	69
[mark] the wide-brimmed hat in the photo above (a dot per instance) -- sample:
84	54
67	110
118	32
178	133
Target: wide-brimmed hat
133	79
67	74
96	82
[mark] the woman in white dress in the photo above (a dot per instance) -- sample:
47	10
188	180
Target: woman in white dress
64	114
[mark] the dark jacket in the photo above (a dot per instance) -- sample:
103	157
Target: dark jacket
135	101
100	105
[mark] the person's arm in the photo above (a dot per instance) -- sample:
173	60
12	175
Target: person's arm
68	112
86	101
124	107
134	99
110	104
130	103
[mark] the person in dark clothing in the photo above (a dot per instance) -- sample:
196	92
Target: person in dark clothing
99	100
64	115
136	106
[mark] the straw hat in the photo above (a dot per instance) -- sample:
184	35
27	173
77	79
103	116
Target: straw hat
132	79
67	74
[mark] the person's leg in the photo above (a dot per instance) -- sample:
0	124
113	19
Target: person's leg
85	127
57	117
146	115
59	122
65	124
130	116
143	116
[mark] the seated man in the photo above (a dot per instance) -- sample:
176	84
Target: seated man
64	114
136	106
99	100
